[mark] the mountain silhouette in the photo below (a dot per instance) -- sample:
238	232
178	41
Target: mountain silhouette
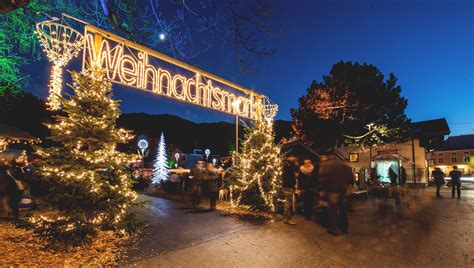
184	135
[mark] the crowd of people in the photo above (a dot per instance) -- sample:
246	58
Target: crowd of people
330	180
454	183
205	181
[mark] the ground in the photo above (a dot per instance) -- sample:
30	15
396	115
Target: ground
421	232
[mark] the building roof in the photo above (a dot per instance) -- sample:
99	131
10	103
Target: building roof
299	148
14	133
430	127
459	142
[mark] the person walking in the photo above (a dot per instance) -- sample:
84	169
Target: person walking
393	176
198	174
455	175
403	176
14	189
307	179
336	179
289	183
212	187
438	177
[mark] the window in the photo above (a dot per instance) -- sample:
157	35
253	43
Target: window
467	158
353	157
454	159
440	160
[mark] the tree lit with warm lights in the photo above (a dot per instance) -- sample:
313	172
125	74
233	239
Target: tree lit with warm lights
259	169
89	180
353	96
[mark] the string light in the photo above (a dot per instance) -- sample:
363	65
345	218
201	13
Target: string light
269	112
5	141
135	70
60	43
259	165
161	171
90	161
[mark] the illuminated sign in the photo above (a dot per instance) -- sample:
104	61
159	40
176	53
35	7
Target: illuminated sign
134	65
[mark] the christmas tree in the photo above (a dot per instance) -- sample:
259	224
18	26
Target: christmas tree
259	169
160	171
89	180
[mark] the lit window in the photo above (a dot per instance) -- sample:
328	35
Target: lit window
440	160
454	159
354	157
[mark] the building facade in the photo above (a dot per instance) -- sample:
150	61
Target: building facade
457	151
409	158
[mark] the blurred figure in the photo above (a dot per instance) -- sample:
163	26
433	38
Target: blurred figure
307	179
198	175
455	175
212	187
12	186
438	176
5	186
393	176
336	179
290	174
403	176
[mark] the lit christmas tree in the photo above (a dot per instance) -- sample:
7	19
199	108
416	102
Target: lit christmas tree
161	171
259	169
89	180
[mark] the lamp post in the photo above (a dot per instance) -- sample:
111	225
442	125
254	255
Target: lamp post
176	156
207	152
236	105
369	126
142	145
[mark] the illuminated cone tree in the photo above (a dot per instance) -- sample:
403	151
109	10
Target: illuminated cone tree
160	166
89	180
259	169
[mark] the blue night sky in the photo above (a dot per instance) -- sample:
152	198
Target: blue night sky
427	44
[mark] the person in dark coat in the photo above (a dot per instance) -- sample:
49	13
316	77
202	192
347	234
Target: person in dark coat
212	178
393	176
403	176
455	175
198	175
336	179
14	186
289	183
438	176
307	179
5	186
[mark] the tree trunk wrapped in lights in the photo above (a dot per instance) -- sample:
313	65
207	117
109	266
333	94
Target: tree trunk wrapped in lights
89	180
259	169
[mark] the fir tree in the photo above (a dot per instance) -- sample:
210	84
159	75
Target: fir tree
89	180
259	169
160	171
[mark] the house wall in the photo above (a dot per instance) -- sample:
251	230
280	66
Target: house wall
446	159
404	150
